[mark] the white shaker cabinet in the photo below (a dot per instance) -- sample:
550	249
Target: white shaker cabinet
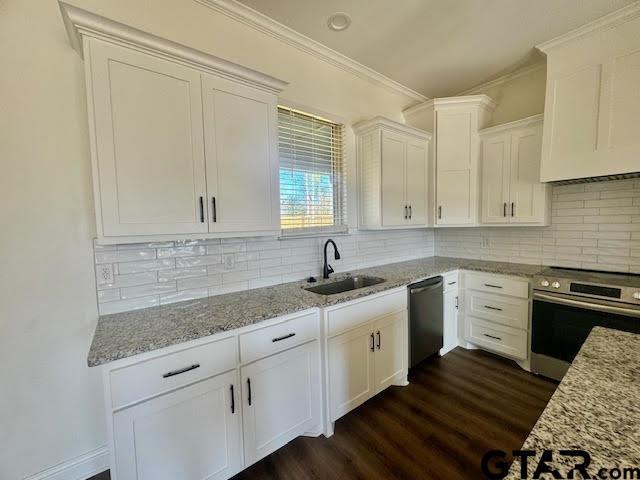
390	351
282	399
192	433
183	144
393	172
450	304
511	189
455	122
592	103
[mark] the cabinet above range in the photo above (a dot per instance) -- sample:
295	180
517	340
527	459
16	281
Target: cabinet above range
182	143
393	169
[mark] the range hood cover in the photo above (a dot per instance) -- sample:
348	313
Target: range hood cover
604	178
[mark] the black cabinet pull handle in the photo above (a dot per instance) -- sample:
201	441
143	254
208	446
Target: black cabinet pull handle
284	337
410	212
451	283
491	285
405	213
233	401
373	348
215	213
201	210
491	336
379	338
439	212
181	370
513	209
456	302
504	209
492	308
249	390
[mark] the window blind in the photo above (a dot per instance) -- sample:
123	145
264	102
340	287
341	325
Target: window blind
312	173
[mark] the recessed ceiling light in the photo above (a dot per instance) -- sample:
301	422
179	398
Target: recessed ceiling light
339	21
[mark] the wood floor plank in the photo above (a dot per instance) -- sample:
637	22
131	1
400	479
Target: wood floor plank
438	427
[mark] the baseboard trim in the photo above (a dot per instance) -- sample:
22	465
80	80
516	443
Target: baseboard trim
78	468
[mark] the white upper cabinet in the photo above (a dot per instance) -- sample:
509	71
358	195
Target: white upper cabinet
150	166
240	125
511	189
183	143
456	122
393	172
592	105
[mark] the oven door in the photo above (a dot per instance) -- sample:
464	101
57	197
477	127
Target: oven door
561	323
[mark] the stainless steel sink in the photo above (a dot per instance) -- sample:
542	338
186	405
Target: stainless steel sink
345	285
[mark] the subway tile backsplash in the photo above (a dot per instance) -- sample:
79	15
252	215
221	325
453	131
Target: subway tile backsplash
152	274
593	226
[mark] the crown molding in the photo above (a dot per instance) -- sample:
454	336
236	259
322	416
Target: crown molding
524	122
611	20
382	122
520	72
81	23
483	101
275	29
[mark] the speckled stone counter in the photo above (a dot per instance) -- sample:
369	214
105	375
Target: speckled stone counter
595	408
125	334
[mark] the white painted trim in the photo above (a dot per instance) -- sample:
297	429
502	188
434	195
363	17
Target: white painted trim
525	122
382	122
275	29
520	72
312	111
81	23
470	100
611	20
79	468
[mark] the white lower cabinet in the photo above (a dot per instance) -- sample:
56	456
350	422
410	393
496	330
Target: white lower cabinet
193	433
450	321
367	357
281	399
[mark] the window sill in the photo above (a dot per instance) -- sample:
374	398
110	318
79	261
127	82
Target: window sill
313	232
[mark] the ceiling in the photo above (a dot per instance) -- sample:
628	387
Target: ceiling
438	47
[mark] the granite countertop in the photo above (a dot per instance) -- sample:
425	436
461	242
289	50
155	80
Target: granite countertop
596	408
122	335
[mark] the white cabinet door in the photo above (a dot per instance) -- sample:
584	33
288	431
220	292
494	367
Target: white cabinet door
394	205
193	433
496	151
282	399
527	195
149	144
351	377
455	183
450	321
242	157
416	182
390	354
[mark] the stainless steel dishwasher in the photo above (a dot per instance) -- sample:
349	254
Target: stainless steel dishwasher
425	319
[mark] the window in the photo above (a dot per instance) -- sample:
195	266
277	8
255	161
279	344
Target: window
312	178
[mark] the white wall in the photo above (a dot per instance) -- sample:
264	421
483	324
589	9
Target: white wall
50	406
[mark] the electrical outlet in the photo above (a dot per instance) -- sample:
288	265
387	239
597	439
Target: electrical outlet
105	274
229	262
486	242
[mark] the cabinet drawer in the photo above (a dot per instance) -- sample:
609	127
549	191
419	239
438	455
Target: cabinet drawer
160	374
500	284
506	340
352	314
509	311
275	338
451	281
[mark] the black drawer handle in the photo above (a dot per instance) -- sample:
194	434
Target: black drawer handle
201	209
491	336
182	370
492	286
451	283
379	339
233	401
492	308
249	391
284	337
373	345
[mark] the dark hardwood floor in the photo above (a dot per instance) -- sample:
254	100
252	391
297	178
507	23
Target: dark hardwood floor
454	410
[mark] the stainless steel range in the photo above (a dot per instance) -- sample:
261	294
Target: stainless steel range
568	303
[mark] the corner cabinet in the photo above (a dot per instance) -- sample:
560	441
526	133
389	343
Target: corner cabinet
511	189
592	103
182	143
393	172
456	122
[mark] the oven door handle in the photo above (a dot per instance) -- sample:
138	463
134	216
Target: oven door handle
630	312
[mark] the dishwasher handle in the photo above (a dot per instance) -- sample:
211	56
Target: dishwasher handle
419	288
